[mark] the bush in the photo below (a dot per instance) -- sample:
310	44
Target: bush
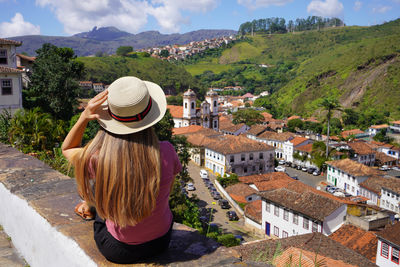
5	124
228	240
226	180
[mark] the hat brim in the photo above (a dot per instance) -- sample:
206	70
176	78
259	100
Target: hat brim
156	113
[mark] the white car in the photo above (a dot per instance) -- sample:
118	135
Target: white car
384	168
203	174
281	162
190	187
396	168
280	169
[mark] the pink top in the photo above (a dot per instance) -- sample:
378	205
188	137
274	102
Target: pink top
159	222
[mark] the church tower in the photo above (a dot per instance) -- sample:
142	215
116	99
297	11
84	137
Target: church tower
212	99
189	104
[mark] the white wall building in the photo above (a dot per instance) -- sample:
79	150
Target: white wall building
374	129
238	154
290	145
387	253
390	198
347	174
275	140
287	213
383	191
10	76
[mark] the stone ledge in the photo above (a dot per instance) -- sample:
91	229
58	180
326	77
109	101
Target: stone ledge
37	212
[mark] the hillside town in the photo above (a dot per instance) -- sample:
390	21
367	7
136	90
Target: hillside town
347	206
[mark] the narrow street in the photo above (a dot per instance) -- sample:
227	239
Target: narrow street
219	215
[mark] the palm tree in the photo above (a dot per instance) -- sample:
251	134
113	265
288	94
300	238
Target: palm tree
330	104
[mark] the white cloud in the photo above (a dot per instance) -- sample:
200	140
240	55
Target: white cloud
255	4
357	5
381	9
18	27
327	8
128	15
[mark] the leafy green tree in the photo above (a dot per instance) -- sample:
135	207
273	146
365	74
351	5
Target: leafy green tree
247	116
124	50
226	180
330	105
382	136
54	82
164	127
164	53
295	123
5	124
350	117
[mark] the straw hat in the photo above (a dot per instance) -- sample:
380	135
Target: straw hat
132	105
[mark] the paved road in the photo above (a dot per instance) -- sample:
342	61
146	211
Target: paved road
305	177
219	216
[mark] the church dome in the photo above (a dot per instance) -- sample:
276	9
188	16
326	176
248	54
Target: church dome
189	92
212	93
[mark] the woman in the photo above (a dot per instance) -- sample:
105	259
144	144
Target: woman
132	171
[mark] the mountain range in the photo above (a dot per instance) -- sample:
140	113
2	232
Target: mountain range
108	39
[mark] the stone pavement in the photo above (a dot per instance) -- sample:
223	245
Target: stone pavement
8	254
47	218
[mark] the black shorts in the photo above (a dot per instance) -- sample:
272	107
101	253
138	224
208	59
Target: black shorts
119	252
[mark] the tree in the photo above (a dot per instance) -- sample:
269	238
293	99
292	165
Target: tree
382	136
350	117
164	53
124	50
247	116
330	105
295	123
54	82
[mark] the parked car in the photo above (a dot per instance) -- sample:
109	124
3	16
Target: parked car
299	167
396	168
310	170
288	164
316	173
384	168
332	189
280	169
232	216
304	169
294	166
216	195
294	177
190	187
224	204
203	174
328	186
281	162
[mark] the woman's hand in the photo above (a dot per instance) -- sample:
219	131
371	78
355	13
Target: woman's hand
90	112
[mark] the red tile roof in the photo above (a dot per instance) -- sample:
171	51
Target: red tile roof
383	158
353	168
256	129
240	191
381	126
391	233
376	183
293	117
351	132
357	239
9	70
395	122
253	210
10	42
26	57
273	184
230	144
272	176
187	129
306	148
176	111
361	148
298	140
269	135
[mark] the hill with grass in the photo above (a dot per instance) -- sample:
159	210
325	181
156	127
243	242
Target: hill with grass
360	66
173	79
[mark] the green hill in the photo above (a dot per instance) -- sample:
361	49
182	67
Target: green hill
172	78
358	65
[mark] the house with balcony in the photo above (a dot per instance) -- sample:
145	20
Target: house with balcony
238	154
10	76
348	174
387	252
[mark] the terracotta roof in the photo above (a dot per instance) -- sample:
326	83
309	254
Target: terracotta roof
231	128
240	191
293	117
298	140
198	139
351	132
361	148
10	42
26	57
187	129
225	122
357	239
383	158
269	135
306	148
247	95
236	103
353	168
395	122
309	203
266	115
230	144
314	242
253	210
305	258
272	176
176	111
273	184
381	126
312	119
256	129
391	233
9	70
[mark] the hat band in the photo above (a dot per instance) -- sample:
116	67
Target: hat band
138	117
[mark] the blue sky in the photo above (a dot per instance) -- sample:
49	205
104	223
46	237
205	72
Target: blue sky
67	17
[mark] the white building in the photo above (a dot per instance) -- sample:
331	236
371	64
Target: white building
390	197
390	151
387	253
305	153
287	213
98	87
188	114
374	129
290	145
395	126
238	154
348	174
10	76
276	140
234	129
362	153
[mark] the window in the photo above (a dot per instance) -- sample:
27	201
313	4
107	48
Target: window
395	255
305	223
6	87
254	168
261	168
286	215
192	105
215	124
243	157
251	156
276	231
276	211
232	159
314	227
185	105
245	169
261	156
267	207
215	103
295	219
284	234
3	56
233	170
385	250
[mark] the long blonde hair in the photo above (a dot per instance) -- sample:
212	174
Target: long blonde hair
127	175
